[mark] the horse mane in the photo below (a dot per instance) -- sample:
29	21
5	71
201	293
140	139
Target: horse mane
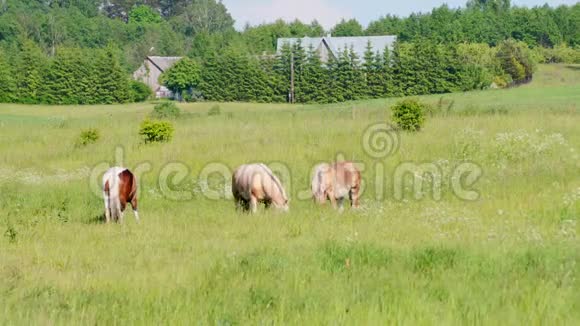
275	179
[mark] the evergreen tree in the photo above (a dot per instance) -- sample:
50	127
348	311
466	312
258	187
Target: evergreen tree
110	81
29	67
67	79
283	66
7	80
314	82
234	76
385	66
299	56
213	83
347	78
292	56
375	73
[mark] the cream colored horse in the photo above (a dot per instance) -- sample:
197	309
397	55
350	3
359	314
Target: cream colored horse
335	182
255	183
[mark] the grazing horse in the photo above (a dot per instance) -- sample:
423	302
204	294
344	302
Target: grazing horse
335	182
119	188
255	183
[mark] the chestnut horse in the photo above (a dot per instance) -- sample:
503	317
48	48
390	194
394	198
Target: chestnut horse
335	182
255	183
119	188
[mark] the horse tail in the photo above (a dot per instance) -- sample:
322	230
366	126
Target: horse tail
112	186
318	188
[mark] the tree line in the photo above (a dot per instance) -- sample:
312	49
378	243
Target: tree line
409	68
198	28
47	48
71	76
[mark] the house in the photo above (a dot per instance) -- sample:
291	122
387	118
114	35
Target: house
329	46
151	70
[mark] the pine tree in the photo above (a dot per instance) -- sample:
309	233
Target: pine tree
7	80
235	76
398	70
282	68
111	83
67	79
292	56
299	55
29	66
356	77
314	83
211	84
347	79
369	71
384	64
375	73
336	66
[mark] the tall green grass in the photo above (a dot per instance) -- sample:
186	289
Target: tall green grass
510	257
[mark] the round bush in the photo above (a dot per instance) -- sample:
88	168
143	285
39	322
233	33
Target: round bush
87	137
409	114
166	110
154	131
140	92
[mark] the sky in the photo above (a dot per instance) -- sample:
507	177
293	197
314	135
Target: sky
329	12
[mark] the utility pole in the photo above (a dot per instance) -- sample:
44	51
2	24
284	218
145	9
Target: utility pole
292	78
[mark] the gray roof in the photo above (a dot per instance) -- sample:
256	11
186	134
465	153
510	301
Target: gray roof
337	44
163	63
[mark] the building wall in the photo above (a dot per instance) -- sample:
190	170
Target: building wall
148	74
323	52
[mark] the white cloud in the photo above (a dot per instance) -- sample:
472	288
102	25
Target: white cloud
256	12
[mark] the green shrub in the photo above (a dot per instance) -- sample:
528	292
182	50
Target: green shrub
87	137
409	114
140	92
215	110
560	54
166	110
154	131
501	81
517	60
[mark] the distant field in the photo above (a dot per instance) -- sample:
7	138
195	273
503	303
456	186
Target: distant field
512	256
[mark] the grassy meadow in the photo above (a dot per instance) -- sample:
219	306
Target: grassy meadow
510	257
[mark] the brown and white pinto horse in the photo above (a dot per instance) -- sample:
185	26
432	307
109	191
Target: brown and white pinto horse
255	183
335	182
119	188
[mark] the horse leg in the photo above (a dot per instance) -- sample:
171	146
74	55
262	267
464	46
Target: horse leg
120	211
134	206
107	207
332	200
268	203
241	203
253	204
354	197
246	205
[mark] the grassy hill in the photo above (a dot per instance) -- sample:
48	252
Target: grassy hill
509	256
